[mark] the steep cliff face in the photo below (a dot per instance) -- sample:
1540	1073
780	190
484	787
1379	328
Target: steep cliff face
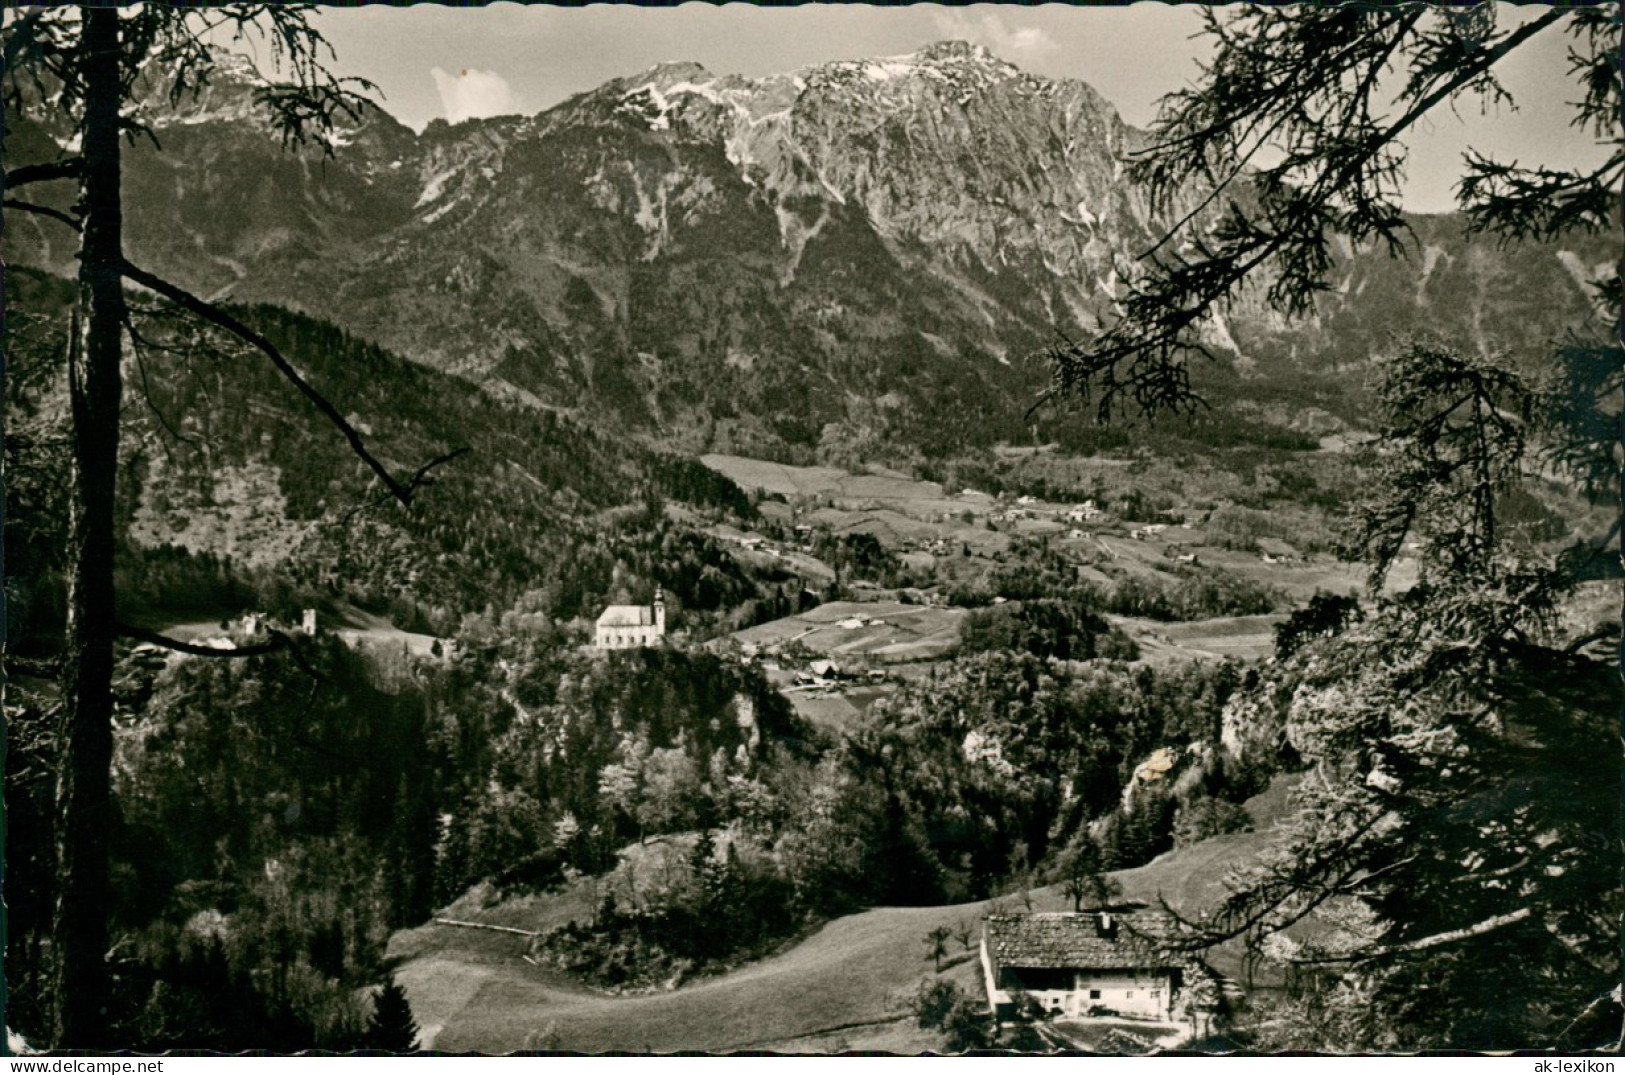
870	248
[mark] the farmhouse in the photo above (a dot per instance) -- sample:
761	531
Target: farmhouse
1276	551
1096	962
632	626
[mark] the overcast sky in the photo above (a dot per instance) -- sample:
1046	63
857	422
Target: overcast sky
460	63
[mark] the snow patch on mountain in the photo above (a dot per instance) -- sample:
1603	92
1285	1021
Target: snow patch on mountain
441	210
434	187
649	104
700	89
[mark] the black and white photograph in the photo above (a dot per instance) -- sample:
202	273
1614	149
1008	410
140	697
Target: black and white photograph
817	529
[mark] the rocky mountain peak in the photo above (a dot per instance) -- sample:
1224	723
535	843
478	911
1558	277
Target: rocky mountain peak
955	50
946	66
904	227
675	72
959	52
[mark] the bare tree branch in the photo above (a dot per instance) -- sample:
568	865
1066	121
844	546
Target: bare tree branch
25	174
1437	940
1262	140
31	666
420	478
278	643
1612	995
140	344
1607	630
42	210
213	314
281	642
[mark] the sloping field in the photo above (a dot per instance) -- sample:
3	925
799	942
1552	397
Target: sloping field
809	568
824	710
834	710
856	970
775	477
903	1037
1301	579
1192	878
890	528
903	513
889	631
849	490
1243	637
847	982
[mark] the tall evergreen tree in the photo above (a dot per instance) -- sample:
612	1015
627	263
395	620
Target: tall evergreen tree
1458	766
1441	833
392	1028
84	65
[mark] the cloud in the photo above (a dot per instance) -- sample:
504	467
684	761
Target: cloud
474	94
989	29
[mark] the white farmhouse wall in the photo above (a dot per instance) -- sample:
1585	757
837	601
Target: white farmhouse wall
1145	995
995	995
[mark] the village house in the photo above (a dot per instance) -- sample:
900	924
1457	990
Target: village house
1276	551
255	624
1094	963
632	626
824	669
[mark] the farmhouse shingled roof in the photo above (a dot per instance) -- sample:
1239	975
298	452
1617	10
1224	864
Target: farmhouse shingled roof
627	616
1077	941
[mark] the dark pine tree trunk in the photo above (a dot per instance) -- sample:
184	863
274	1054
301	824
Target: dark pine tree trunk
81	993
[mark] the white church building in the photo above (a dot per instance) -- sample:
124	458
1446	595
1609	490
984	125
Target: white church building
632	626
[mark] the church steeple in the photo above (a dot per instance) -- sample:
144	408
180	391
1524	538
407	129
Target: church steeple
660	610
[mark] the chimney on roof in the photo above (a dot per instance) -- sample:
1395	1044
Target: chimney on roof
1104	924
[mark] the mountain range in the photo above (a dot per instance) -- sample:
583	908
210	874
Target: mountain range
862	254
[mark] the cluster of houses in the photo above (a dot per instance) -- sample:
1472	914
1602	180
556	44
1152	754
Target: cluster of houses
1027	508
823	673
751	541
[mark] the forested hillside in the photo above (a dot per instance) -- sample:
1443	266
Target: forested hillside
236	491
